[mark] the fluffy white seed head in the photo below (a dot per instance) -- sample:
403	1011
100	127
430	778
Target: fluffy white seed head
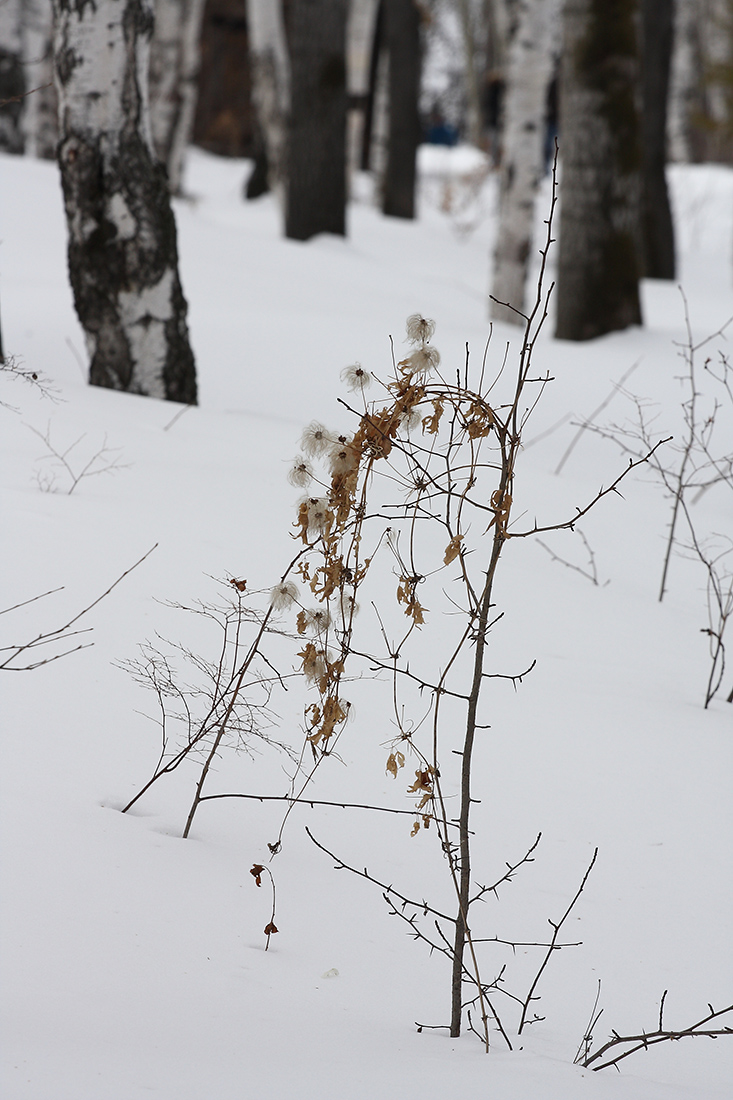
317	619
315	439
412	420
319	515
283	595
419	329
422	361
300	473
355	377
342	459
347	606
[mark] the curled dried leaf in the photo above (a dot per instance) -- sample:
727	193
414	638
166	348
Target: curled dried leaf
257	871
395	761
423	781
431	424
453	549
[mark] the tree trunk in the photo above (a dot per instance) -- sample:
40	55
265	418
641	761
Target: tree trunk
684	78
470	22
174	63
270	76
598	267
402	36
224	112
656	214
40	109
123	260
12	79
361	32
316	154
529	71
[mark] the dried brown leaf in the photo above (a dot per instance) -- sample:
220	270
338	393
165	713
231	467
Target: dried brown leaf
453	549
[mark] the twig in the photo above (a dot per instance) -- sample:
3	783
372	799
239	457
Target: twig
587	1040
62	633
648	1039
589	420
341	866
313	802
554	946
590	574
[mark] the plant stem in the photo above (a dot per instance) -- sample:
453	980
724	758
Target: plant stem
462	926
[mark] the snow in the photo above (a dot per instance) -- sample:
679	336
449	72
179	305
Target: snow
133	961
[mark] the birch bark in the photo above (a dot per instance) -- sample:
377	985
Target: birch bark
270	76
40	110
123	261
684	79
361	27
532	49
600	142
174	63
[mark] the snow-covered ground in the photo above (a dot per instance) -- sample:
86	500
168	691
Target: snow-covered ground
133	961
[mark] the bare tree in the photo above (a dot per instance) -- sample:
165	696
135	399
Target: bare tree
123	257
174	62
40	108
270	75
532	46
316	155
361	33
12	80
656	219
599	267
402	36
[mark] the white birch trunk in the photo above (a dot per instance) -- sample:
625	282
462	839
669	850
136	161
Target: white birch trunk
174	63
360	29
12	79
530	59
40	109
123	261
684	80
270	75
470	24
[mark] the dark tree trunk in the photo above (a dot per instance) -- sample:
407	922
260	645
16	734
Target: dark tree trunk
123	261
224	115
402	37
600	150
316	154
257	183
12	78
656	214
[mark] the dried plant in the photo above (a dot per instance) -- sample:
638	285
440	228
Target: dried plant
205	706
425	487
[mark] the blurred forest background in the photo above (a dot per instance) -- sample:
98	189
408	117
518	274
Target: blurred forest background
316	91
